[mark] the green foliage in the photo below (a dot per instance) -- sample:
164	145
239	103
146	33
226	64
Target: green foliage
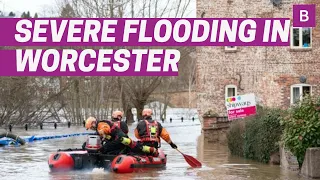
235	137
302	127
256	137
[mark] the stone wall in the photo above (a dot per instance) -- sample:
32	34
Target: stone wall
268	72
311	164
215	129
287	160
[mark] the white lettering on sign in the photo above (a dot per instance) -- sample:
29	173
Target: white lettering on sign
239	111
304	17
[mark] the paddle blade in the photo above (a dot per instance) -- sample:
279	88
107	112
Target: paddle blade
193	162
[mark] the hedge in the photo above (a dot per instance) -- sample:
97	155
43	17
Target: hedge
256	137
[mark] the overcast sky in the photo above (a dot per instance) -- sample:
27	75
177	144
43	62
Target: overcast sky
45	7
20	6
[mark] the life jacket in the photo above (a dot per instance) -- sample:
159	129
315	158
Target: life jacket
112	127
117	123
152	132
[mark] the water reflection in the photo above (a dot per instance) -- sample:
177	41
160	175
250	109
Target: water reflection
30	161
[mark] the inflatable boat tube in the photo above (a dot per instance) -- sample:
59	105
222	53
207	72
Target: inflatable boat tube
16	138
130	163
78	159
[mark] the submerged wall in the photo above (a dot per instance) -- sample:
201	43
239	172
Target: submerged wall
311	164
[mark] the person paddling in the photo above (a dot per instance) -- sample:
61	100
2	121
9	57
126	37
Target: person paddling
149	131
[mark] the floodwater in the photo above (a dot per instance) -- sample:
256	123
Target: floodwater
30	161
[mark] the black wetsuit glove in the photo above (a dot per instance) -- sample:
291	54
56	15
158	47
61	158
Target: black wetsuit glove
173	145
84	145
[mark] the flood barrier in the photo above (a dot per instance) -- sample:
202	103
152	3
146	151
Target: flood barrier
13	141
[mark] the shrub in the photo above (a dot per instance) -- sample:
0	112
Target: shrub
262	135
256	137
235	137
302	128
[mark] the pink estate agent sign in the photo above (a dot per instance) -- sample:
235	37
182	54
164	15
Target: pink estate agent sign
241	106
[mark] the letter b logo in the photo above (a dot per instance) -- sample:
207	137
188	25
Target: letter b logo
304	15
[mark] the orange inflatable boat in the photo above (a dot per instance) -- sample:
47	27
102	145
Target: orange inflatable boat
89	158
131	163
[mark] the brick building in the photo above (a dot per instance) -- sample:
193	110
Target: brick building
277	75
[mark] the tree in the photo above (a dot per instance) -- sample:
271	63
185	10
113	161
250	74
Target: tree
134	91
26	15
23	15
27	100
36	15
139	89
11	14
67	11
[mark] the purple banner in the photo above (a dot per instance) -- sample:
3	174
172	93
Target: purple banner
145	32
103	62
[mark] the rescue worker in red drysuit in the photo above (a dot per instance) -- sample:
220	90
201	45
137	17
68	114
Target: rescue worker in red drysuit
116	138
149	131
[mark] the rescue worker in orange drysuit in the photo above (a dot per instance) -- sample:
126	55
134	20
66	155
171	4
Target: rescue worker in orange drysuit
149	131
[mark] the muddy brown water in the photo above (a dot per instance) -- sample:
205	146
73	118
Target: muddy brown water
30	161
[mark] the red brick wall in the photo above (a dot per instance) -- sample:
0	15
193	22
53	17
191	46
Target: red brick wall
266	71
209	122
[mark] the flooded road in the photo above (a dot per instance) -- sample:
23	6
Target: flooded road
30	161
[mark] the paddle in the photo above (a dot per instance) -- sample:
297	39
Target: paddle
193	162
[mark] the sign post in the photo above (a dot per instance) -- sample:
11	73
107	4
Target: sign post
241	106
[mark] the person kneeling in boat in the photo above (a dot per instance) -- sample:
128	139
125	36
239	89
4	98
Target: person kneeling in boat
149	131
117	140
116	118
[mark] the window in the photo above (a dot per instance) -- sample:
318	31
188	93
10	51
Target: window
231	90
298	91
301	37
230	48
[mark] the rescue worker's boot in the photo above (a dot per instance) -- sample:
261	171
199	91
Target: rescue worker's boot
150	150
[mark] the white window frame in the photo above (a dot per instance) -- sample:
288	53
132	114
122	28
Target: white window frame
300	86
300	38
230	48
228	87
